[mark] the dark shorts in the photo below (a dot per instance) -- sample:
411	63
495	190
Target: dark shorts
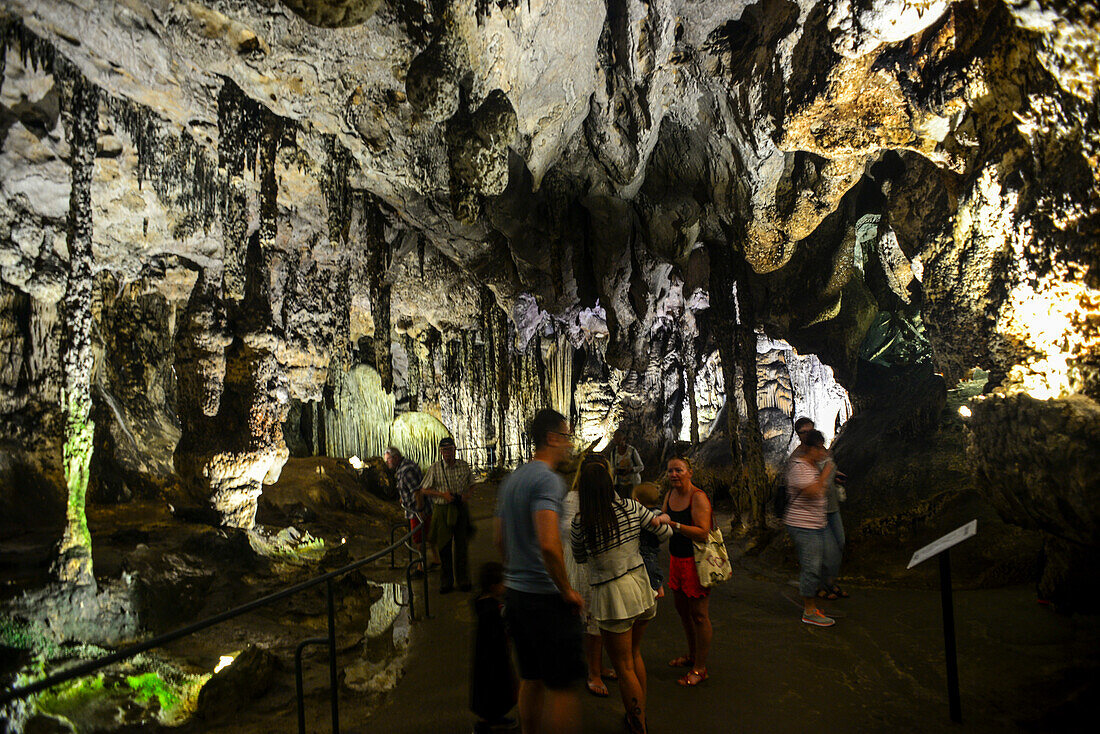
547	635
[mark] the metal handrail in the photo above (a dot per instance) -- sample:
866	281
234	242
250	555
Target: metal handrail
14	694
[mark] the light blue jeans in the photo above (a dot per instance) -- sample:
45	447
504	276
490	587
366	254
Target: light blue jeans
834	549
810	544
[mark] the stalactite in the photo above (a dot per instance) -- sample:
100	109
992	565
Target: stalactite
689	359
269	201
417	435
502	375
413	379
80	107
5	26
239	126
558	357
358	421
488	362
181	170
336	189
34	52
378	286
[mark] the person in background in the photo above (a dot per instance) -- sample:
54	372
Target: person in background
605	536
833	551
542	608
687	511
493	685
649	496
447	483
407	477
578	577
626	464
805	520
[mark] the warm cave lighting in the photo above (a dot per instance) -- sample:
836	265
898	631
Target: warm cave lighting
964	411
356	463
224	662
343	540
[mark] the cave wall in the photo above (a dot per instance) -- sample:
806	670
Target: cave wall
465	195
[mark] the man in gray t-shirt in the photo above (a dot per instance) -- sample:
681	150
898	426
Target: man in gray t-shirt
542	607
530	488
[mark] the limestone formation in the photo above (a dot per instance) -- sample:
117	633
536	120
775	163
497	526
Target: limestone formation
334	13
608	206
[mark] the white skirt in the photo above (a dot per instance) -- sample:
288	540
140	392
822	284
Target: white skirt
623	598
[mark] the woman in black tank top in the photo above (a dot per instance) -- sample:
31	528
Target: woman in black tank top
688	513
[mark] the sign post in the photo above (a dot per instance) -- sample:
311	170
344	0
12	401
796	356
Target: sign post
941	547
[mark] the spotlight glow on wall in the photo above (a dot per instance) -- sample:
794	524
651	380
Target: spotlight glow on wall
964	411
356	463
224	662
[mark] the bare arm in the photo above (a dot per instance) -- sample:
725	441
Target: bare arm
701	516
546	527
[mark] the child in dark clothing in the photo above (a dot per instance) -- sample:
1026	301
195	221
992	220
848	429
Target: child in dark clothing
493	685
649	497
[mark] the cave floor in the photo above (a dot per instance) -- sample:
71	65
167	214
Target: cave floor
1021	666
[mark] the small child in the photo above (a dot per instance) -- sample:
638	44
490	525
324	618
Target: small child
649	496
493	685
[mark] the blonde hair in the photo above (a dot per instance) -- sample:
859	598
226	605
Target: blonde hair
648	494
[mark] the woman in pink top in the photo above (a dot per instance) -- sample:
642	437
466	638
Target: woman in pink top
805	520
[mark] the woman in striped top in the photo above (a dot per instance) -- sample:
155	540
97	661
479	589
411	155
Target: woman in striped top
605	536
805	520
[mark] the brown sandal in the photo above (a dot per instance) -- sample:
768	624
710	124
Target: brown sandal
699	677
684	661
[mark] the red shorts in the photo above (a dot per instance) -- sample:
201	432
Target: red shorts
415	523
683	577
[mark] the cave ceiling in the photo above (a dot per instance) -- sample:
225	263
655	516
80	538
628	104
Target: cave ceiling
897	164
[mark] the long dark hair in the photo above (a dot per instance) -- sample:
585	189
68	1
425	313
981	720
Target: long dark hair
597	505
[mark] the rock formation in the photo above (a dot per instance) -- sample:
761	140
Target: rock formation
603	205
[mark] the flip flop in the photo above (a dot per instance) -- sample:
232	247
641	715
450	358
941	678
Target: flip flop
687	682
684	661
597	690
839	592
609	674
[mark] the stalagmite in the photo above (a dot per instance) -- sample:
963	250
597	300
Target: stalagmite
80	105
736	339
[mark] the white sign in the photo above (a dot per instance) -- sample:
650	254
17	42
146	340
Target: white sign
953	538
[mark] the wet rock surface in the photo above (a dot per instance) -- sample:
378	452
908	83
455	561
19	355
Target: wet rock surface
174	573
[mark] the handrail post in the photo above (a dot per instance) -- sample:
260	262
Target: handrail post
300	688
393	548
409	586
424	560
335	692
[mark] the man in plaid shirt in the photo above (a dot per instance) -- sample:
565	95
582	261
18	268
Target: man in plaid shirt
408	477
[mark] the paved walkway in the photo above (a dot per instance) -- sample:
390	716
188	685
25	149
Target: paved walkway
879	669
